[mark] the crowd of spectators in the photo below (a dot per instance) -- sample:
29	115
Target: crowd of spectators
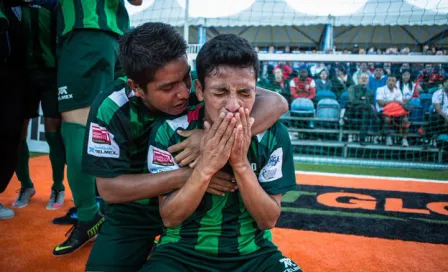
425	50
385	98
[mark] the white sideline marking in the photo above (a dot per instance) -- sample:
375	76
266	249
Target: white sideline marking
370	177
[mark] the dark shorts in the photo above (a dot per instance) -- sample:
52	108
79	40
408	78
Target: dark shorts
125	239
169	258
86	64
41	88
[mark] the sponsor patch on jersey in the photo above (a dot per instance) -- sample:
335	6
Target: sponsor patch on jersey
102	143
63	94
273	168
160	160
161	157
290	266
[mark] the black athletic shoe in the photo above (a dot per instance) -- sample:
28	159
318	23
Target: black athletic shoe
71	218
80	234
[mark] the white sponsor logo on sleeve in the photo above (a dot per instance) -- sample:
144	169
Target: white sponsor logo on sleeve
273	169
290	266
102	143
160	160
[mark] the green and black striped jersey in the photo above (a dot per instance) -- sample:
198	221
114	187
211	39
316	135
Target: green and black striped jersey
221	225
39	29
117	141
107	15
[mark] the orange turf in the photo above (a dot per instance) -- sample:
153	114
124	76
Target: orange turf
27	240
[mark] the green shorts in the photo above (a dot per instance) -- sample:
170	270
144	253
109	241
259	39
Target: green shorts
125	239
86	63
168	257
41	87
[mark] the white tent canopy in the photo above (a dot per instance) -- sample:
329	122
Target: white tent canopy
380	23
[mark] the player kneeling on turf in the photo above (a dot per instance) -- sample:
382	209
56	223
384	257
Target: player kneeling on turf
205	232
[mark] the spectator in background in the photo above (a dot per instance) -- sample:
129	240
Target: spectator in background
405	51
387	95
286	70
302	86
438	121
271	49
371	51
405	66
377	80
387	68
361	106
280	85
287	49
323	83
316	69
342	81
355	49
362	51
439	53
363	69
408	88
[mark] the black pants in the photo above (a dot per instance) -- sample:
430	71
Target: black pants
11	124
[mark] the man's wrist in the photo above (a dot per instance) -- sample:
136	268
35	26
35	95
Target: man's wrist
242	167
185	173
204	171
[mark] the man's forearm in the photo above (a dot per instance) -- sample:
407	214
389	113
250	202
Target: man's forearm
268	108
126	188
178	206
261	206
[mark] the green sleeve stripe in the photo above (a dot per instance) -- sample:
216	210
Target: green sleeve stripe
171	236
68	11
90	18
107	110
111	8
206	242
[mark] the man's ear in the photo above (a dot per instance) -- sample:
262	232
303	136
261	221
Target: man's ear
199	90
136	88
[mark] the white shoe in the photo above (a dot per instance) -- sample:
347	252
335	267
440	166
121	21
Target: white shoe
6	213
389	141
404	142
56	200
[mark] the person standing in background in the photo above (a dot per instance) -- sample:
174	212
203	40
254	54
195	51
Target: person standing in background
39	29
88	34
11	70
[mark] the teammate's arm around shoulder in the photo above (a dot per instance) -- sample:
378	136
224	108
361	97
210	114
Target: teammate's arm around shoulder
268	108
106	155
214	154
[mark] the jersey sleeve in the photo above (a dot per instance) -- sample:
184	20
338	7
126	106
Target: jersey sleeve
159	159
278	176
106	143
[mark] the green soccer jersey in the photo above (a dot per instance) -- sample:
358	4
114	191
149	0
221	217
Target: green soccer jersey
107	15
222	226
117	142
39	28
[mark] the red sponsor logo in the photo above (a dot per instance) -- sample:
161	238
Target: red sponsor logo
100	135
162	158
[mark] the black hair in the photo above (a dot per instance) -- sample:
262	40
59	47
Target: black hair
411	79
147	48
226	49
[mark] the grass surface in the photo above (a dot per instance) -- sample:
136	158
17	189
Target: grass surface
353	170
